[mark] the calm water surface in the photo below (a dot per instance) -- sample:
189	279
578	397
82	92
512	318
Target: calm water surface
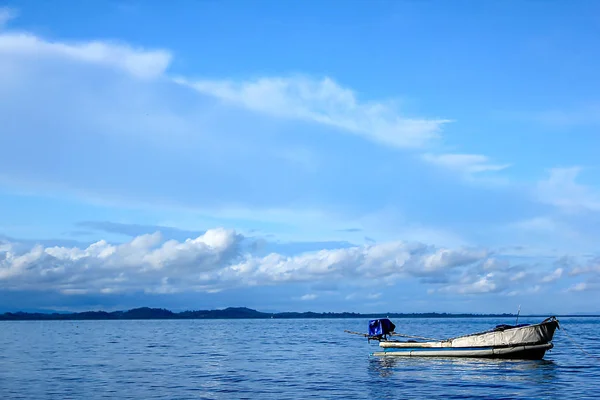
279	359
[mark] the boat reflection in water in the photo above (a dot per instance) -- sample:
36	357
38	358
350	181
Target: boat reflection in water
465	370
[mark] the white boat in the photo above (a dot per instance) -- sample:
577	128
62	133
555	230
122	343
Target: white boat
523	341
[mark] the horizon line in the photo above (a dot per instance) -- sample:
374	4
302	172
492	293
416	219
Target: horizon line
249	313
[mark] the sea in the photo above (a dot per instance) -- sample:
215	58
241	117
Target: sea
279	359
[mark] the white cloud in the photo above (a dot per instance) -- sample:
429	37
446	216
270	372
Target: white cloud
99	109
482	285
583	287
308	297
558	272
214	261
443	259
6	14
519	276
361	296
479	285
321	101
562	190
592	267
494	275
494	264
105	268
463	163
137	62
325	102
531	290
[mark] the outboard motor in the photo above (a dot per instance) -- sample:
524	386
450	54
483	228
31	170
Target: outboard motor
380	328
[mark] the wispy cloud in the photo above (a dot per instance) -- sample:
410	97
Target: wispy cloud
326	102
137	62
351	230
160	129
584	287
536	224
553	276
464	163
588	115
138	229
109	101
591	267
6	14
362	296
563	191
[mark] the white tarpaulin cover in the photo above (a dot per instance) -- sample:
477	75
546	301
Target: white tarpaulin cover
533	334
524	335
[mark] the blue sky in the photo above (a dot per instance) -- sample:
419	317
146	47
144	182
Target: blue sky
388	156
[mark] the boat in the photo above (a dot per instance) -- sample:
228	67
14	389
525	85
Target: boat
522	341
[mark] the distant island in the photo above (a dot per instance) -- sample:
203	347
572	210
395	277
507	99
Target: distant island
229	313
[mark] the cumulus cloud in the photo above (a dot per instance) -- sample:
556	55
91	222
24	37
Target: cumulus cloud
475	282
325	102
494	275
220	259
213	261
464	163
106	268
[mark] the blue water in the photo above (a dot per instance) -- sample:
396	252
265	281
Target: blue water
275	359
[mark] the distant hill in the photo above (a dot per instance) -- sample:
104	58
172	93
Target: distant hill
227	313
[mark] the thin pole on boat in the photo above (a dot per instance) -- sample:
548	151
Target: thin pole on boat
518	312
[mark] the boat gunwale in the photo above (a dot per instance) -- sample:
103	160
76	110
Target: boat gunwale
416	345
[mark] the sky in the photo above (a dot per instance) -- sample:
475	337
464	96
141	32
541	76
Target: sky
382	156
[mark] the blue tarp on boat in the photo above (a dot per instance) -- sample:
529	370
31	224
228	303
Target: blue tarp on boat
381	327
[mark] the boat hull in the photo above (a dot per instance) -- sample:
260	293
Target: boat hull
527	352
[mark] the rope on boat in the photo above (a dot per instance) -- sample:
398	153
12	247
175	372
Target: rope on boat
394	334
578	345
357	333
413	337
